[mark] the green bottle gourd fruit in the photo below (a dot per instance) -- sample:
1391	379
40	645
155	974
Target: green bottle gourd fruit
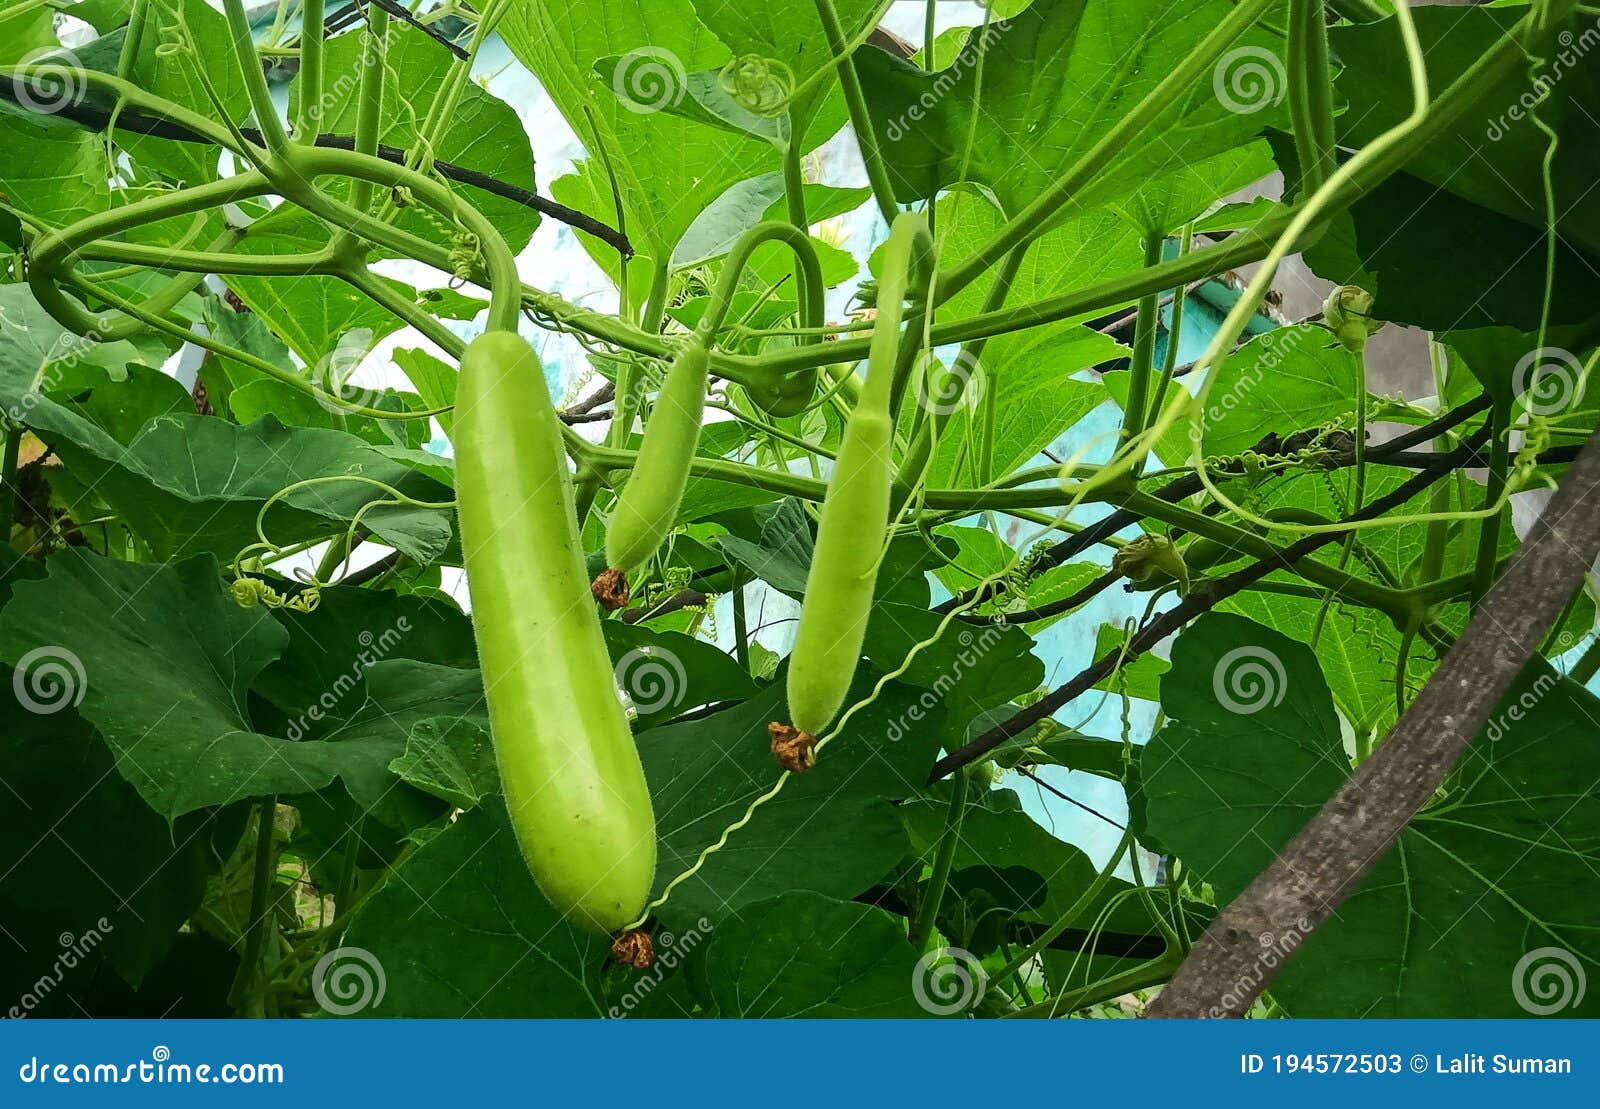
569	769
648	507
855	512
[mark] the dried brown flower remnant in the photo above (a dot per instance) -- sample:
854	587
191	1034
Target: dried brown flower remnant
634	949
796	751
610	588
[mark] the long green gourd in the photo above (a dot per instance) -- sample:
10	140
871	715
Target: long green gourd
568	765
844	565
648	506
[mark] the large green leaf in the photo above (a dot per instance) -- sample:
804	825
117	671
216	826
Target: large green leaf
667	168
830	830
1057	77
1485	172
312	314
1452	921
201	67
805	955
463	931
182	732
81	849
962	668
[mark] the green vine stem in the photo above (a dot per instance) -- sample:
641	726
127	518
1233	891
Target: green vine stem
308	117
1311	93
255	78
258	930
860	118
369	109
8	479
1135	412
1493	493
927	911
1169	364
1141	977
1065	920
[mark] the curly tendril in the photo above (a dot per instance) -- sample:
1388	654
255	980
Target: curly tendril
762	86
251	592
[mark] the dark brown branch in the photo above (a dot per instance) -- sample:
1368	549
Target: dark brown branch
1200	601
1327	861
95	117
1190	484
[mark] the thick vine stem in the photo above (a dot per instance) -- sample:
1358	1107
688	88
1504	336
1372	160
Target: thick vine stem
860	117
1311	93
50	256
305	164
255	80
927	913
308	114
774	395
